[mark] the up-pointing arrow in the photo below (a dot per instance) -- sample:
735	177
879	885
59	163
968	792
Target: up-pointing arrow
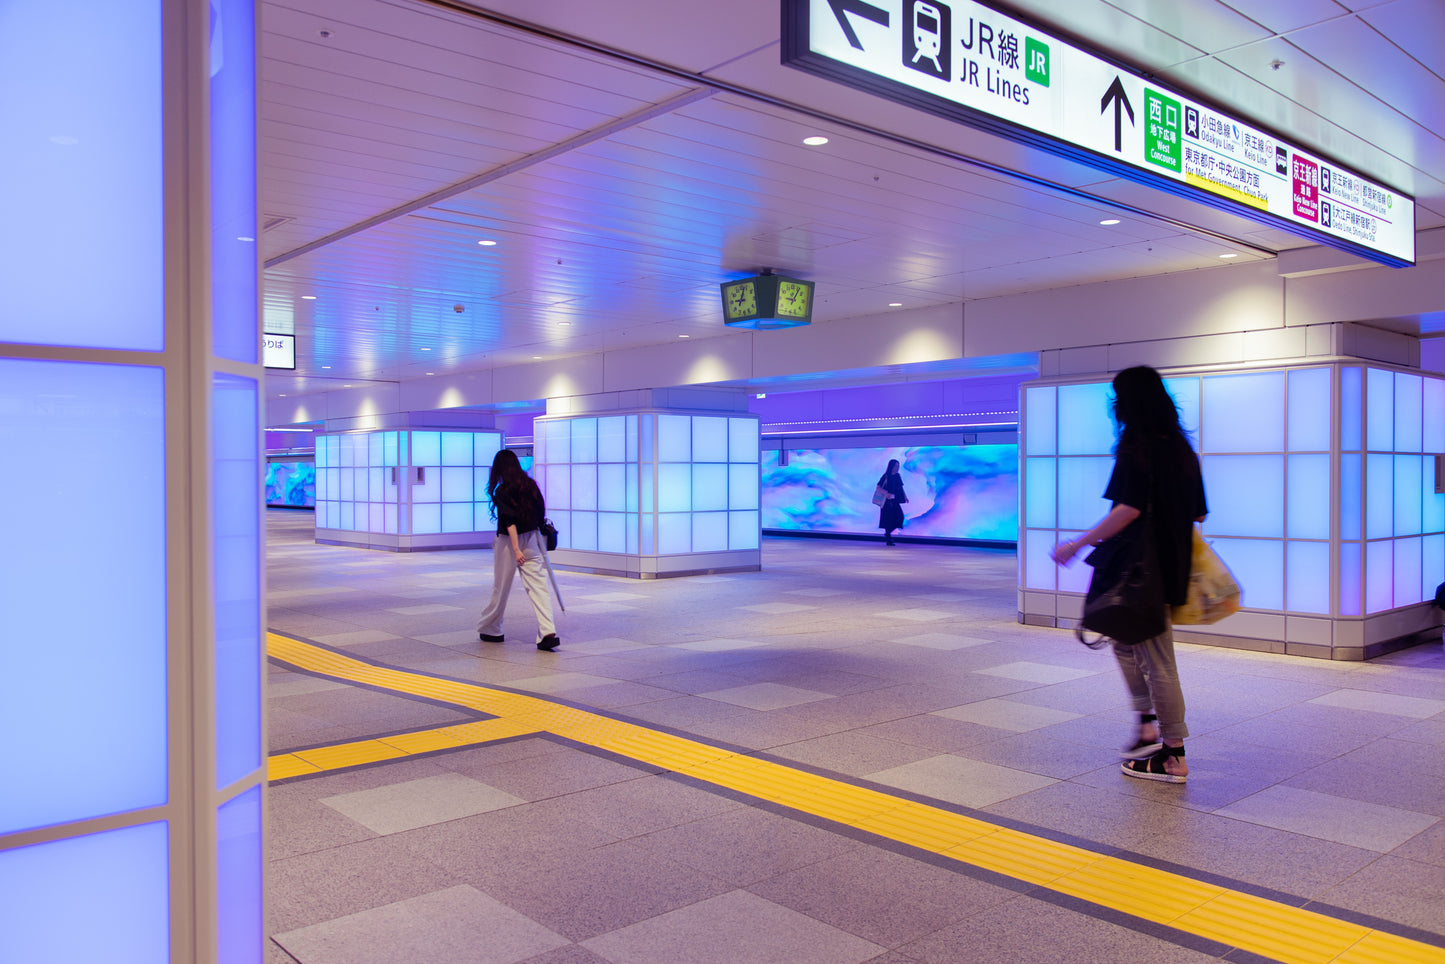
841	9
1120	99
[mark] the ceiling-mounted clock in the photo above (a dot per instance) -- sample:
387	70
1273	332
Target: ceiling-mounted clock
767	301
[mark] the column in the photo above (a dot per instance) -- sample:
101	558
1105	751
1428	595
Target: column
1322	496
653	483
130	602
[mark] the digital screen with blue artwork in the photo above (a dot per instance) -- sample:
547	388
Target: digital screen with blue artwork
291	484
954	491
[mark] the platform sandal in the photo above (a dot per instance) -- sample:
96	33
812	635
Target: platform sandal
1141	748
1155	767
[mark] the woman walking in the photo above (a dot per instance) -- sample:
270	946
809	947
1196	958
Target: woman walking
1155	471
519	509
890	516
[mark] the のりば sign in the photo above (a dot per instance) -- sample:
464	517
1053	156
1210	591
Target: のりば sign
972	64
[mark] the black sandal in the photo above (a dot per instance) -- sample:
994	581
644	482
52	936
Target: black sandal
1141	748
1154	767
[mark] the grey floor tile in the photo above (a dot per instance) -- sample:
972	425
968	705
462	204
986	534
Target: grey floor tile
459	924
765	696
1395	889
1412	707
959	780
731	928
419	803
1006	714
746	845
1351	822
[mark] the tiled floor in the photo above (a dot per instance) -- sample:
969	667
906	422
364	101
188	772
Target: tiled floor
1316	783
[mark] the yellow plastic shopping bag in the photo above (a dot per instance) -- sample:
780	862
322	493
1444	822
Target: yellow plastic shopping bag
1213	592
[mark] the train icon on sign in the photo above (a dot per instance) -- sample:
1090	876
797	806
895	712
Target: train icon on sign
927	36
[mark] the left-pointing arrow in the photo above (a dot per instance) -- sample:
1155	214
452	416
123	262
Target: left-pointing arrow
841	9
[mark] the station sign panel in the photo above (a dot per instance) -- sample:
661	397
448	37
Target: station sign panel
278	351
972	64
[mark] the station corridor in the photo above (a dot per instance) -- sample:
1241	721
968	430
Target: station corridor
856	754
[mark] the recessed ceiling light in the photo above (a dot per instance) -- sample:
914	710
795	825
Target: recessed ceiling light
431	373
1108	221
347	385
325	366
282	395
817	140
536	358
684	336
1231	254
564	324
308	297
895	304
245	239
426	349
486	243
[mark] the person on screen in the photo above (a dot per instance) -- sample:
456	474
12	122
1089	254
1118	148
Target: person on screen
890	515
519	509
1155	470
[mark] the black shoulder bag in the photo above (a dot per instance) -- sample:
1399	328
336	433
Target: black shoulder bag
1125	601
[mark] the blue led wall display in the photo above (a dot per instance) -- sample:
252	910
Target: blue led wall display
1266	444
82	170
103	501
954	491
291	484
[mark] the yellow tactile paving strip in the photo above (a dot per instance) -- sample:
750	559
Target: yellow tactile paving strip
1265	927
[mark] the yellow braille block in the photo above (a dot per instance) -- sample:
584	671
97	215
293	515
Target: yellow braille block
1288	934
422	742
1378	948
1021	856
285	765
349	754
1135	889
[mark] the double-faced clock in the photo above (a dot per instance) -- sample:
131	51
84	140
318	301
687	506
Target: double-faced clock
767	301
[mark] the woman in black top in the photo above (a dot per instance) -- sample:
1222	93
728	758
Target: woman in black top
1155	470
519	509
890	516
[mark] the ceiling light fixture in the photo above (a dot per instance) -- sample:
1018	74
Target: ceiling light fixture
817	140
308	297
487	243
1108	221
1231	254
426	349
684	336
325	366
564	324
895	304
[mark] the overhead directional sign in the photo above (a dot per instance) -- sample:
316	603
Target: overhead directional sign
973	64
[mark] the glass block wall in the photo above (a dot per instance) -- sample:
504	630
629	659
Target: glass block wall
651	485
1319	520
404	487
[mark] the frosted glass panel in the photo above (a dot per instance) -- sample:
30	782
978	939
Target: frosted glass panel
584	531
584	440
376	517
426	519
1408	416
1075	578
1307	577
1309	410
1407	572
388	448
1432	514
632	488
1258	565
743	439
743	530
1409	473
1039	504
82	170
1243	413
611	532
633	427
1379	410
1433	433
1246	495
237	560
612	439
1086	425
709	487
456	448
584	486
709	532
375	446
430	488
743	486
86	547
674	533
558	491
1186	399
100	897
1081	491
486	446
674	438
1432	565
426	448
558	435
612	487
348	515
233	180
648	540
1040	420
1379	576
1351	568
457	517
563	521
457	485
674	488
646	487
1379	496
238	879
1040	571
1351	506
1308	505
709	439
391	518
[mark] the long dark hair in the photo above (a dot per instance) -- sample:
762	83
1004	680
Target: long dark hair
1143	407
892	467
507	473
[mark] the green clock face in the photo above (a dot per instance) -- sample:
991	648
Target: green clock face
742	300
792	300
